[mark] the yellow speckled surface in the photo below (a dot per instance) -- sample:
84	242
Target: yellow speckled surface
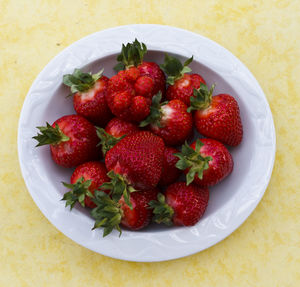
264	251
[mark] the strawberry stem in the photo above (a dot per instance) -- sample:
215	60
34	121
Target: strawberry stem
162	212
174	68
118	186
201	98
50	135
107	141
131	55
108	213
81	82
78	192
192	159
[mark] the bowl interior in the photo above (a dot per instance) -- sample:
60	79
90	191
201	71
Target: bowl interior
220	194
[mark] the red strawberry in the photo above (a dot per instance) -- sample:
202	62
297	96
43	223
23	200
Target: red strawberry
89	95
73	140
207	162
181	204
130	91
110	214
152	70
134	163
217	117
181	84
170	172
118	128
169	120
115	130
85	179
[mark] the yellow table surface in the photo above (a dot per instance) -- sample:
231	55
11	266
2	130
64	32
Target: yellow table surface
264	251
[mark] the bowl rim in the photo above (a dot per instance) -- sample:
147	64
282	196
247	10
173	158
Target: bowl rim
138	30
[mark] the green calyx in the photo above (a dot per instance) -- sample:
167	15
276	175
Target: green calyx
192	159
107	141
162	212
156	112
78	191
201	98
50	135
131	55
108	213
174	68
118	186
81	82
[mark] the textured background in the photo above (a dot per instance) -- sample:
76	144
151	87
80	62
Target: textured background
264	251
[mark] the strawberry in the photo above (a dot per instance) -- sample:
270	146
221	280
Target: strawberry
89	95
115	130
73	140
85	179
181	84
131	90
109	214
206	162
217	117
169	172
153	71
169	120
181	204
134	163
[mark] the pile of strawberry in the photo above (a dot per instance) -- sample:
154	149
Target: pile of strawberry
136	121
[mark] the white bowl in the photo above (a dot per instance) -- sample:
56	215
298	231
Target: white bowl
231	202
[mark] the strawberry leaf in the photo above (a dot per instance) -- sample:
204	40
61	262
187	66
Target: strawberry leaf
188	61
201	98
192	159
162	212
79	190
174	68
131	55
118	186
107	141
119	67
50	135
155	112
81	82
107	213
